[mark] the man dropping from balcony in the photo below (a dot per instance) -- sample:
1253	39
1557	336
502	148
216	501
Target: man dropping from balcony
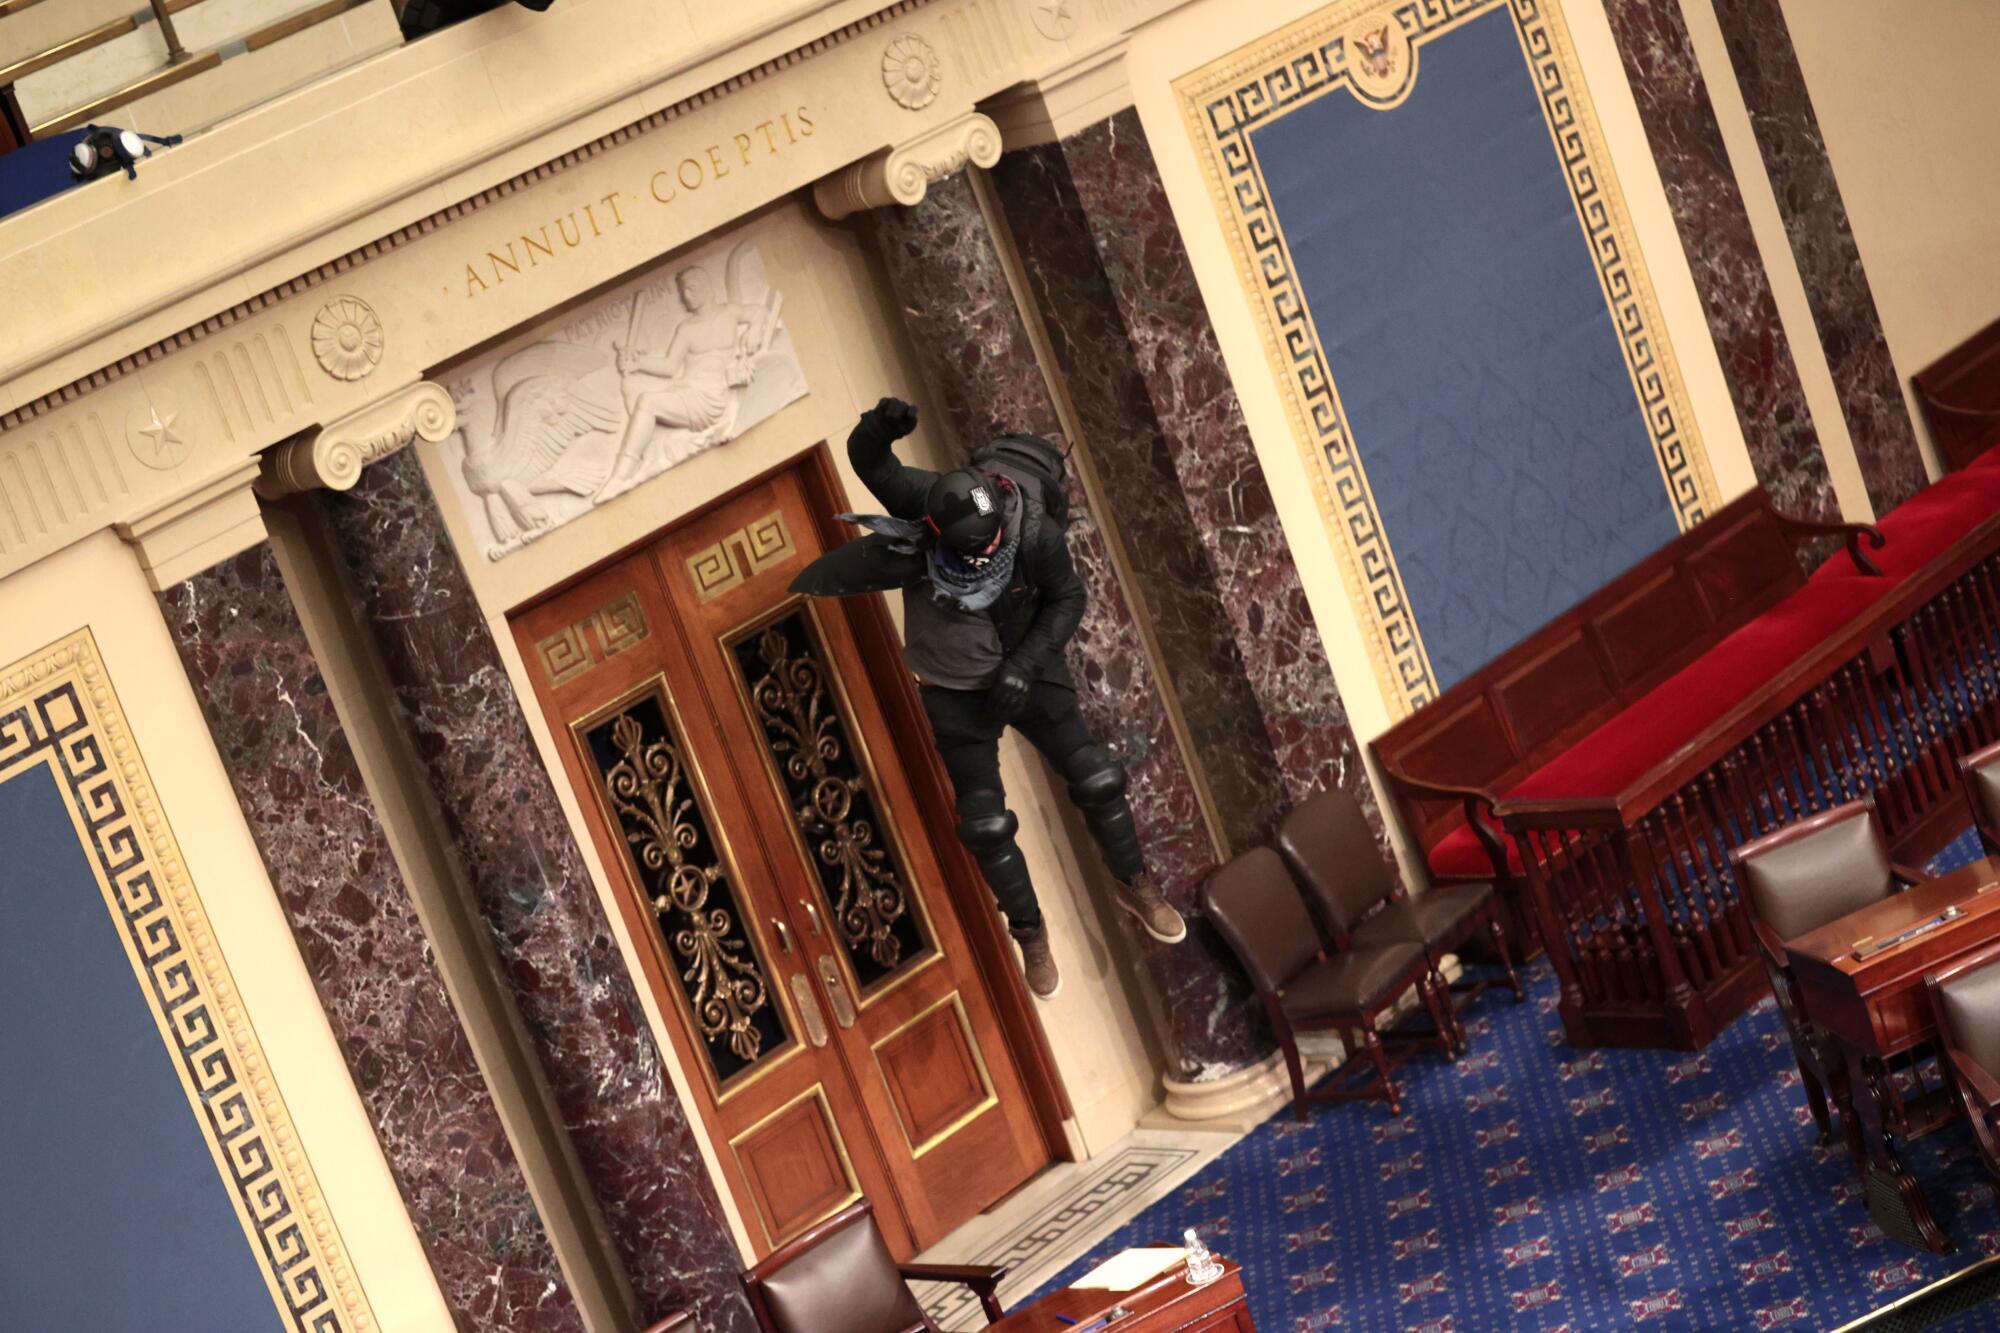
989	599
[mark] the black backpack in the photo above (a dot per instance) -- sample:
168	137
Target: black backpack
1035	465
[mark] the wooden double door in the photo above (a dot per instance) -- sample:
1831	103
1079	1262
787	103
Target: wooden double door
731	747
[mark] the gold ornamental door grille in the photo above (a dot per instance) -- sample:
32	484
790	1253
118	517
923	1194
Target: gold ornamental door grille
651	790
827	784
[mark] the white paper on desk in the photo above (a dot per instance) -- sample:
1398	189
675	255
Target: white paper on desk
1133	1268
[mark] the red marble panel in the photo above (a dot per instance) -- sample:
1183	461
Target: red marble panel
301	791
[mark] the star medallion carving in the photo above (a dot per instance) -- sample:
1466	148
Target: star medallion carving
157	438
1055	19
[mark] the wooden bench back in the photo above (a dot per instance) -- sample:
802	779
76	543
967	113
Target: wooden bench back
1541	696
1960	396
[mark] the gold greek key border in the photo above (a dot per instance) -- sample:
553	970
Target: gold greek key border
286	1222
1224	101
991	1100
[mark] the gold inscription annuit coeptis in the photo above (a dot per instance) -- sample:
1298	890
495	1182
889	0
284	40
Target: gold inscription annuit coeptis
740	152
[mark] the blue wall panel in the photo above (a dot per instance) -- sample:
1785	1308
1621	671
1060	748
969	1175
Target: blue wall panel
112	1216
1464	325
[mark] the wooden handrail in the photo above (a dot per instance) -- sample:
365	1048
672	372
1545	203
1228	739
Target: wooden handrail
67	48
160	78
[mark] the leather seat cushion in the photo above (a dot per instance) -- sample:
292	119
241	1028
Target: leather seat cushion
1346	983
1439	919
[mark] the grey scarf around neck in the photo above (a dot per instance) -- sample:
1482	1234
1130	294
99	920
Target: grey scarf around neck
955	581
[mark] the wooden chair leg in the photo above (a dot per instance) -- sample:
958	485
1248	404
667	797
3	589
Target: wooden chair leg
1382	1069
1437	1000
1815	1101
1296	1068
1499	934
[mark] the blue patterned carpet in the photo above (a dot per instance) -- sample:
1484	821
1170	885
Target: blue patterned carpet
1534	1187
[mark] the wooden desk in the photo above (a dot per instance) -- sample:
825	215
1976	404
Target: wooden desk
1167	1304
1876	1008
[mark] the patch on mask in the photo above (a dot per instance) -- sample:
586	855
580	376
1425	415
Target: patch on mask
982	501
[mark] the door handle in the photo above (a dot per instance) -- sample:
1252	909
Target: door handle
812	915
809	1014
784	935
836	991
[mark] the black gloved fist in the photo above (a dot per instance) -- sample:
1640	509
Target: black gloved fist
1008	694
896	417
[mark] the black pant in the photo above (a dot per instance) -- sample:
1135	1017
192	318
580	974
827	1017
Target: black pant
968	739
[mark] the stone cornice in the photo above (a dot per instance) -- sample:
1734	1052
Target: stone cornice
1072	96
315	348
393	239
333	456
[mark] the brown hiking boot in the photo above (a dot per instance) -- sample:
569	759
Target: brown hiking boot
1142	898
1038	963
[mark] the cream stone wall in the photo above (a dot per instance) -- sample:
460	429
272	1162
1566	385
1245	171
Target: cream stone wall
42	605
1199	34
1909	104
843	323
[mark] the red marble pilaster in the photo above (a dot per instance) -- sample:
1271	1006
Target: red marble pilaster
1729	273
301	791
1843	306
979	364
535	895
1125	316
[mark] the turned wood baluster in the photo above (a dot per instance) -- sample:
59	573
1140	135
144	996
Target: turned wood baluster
1557	938
1838	783
1677	895
1986	622
1593	908
1815	792
1621	961
1972	621
1953	704
1883	779
1668	972
1715	796
1897	684
1896	750
1969	667
1717	941
1840	732
1924	685
1767	782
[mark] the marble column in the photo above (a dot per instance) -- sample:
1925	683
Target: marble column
1722	251
979	364
357	929
1118	296
1843	306
536	897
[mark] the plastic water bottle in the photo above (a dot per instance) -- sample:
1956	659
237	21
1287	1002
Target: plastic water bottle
1202	1267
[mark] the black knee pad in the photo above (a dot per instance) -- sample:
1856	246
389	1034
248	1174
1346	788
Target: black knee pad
1095	778
985	824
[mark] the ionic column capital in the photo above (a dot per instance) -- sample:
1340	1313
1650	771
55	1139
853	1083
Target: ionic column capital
902	175
332	457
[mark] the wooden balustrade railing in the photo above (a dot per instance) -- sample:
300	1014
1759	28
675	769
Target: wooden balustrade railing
1633	892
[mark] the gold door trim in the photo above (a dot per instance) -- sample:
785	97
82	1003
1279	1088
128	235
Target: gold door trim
864	998
704	802
991	1100
818	1091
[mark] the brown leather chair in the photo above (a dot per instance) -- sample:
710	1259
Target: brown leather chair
1258	909
839	1277
1980	772
673	1323
1965	1000
1797	879
1361	902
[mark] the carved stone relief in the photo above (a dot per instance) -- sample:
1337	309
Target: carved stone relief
912	72
685	359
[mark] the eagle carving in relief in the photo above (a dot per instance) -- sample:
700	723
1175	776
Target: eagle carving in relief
686	359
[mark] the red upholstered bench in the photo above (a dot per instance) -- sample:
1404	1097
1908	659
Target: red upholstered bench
1615	683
